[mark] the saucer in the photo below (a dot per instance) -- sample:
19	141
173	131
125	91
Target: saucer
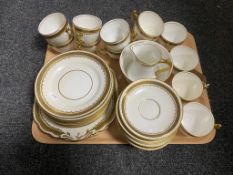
197	119
72	83
150	107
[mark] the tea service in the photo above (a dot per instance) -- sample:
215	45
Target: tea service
77	91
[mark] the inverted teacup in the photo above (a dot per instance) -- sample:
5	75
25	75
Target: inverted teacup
86	30
184	58
188	85
174	33
145	59
197	119
115	35
147	25
56	30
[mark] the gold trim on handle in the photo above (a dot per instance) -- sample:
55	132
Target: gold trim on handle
217	125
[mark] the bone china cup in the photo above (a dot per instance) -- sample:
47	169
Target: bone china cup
115	35
86	30
145	59
56	30
188	85
174	33
197	119
184	58
147	25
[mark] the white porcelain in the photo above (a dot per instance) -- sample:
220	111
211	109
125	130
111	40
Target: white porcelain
150	108
76	81
187	85
73	133
141	59
149	25
184	58
174	32
86	29
116	35
197	119
56	29
73	83
70	46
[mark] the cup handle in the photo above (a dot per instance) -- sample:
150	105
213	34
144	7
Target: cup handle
79	40
69	32
133	35
159	71
134	15
217	125
203	79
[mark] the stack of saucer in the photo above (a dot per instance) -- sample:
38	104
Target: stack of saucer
75	96
149	112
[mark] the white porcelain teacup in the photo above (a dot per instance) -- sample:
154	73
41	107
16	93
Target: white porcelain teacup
188	85
145	59
184	58
147	25
174	33
197	120
56	30
115	35
86	31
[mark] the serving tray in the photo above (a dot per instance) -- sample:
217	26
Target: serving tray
113	134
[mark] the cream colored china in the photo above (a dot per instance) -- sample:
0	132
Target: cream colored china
150	108
116	35
73	133
86	30
61	49
145	59
56	30
187	85
147	25
184	58
73	83
174	32
197	119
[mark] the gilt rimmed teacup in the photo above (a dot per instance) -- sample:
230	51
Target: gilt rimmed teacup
86	31
56	30
147	25
188	85
174	33
116	35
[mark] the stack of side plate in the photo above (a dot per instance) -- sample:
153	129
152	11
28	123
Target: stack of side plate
149	113
75	96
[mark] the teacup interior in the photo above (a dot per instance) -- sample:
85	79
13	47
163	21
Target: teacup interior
151	23
147	53
197	119
115	30
184	58
88	22
187	85
51	24
174	32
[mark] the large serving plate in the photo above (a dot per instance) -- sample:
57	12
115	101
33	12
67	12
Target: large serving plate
113	134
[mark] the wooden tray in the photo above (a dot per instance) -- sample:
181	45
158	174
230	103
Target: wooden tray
113	134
